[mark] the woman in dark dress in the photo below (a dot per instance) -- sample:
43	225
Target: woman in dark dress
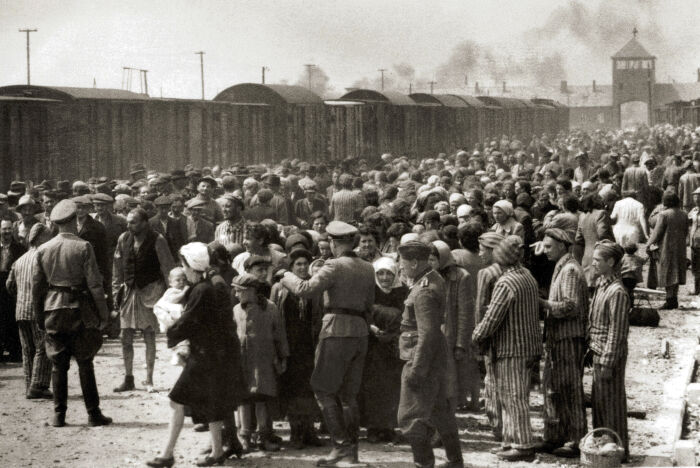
302	324
210	383
381	382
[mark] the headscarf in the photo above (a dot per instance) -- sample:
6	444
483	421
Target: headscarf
445	258
196	254
457	197
490	239
560	235
387	263
610	249
509	251
505	206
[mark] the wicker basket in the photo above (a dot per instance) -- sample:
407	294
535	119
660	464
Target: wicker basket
596	460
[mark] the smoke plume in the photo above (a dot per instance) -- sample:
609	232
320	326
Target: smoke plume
319	81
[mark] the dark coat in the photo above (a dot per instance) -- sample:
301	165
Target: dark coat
211	382
670	233
175	232
94	232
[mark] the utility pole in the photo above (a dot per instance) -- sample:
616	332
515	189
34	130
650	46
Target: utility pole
27	31
144	75
201	66
432	83
309	69
382	70
264	69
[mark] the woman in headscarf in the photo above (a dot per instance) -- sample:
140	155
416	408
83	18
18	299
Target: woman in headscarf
301	319
381	382
506	225
210	384
463	369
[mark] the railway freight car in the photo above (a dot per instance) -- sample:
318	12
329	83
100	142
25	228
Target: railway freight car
298	127
451	122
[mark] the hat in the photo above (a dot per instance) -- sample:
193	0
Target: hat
195	203
300	252
209	179
650	160
196	254
463	210
35	231
158	181
102	180
63	186
414	249
234	198
253	260
17	186
560	235
63	212
245	281
83	200
490	239
177	174
295	240
102	198
26	200
163	200
339	230
122	188
272	179
136	168
509	251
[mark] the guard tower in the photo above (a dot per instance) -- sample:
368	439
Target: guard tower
634	76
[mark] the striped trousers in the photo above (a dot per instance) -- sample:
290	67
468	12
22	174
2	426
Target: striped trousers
513	391
564	407
609	400
493	405
37	366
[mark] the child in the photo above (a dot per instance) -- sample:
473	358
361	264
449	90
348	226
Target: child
631	264
169	308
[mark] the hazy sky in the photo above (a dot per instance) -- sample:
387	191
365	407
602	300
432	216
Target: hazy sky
80	40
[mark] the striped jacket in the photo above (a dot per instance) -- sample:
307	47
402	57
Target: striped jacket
486	280
19	283
346	206
512	317
609	323
568	289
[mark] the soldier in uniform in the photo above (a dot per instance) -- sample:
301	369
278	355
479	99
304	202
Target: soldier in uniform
424	406
347	282
70	305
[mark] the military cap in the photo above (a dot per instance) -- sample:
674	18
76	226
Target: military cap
414	249
177	174
83	200
253	260
245	281
102	198
195	203
210	180
339	229
63	212
163	200
26	200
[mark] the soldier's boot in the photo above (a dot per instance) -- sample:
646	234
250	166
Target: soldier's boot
343	450
453	451
423	456
351	417
127	385
296	436
59	379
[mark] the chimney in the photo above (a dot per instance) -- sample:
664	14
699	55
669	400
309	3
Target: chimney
476	88
504	87
563	88
594	89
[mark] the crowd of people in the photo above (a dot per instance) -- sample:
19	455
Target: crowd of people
381	294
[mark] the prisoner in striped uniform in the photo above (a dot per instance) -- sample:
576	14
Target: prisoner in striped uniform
37	366
346	204
486	280
566	311
511	322
608	329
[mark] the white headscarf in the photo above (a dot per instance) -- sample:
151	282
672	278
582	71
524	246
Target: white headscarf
387	263
196	254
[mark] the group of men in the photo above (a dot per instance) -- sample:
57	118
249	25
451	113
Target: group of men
98	254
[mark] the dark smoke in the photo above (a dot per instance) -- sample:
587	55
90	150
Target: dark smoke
320	82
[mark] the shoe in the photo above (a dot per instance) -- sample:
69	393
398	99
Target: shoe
127	385
373	436
267	445
311	439
201	427
499	449
148	385
233	447
275	438
340	453
517	455
454	464
160	462
99	419
211	461
567	451
59	420
39	393
545	447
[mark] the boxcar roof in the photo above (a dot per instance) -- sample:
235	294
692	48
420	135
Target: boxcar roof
391	97
449	100
471	101
504	101
63	93
269	94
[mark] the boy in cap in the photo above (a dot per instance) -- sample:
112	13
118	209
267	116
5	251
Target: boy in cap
348	286
70	304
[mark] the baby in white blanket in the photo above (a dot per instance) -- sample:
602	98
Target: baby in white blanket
169	308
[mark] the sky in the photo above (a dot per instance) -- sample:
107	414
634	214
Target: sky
452	42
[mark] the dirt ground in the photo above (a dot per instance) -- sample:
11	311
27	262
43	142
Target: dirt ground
141	419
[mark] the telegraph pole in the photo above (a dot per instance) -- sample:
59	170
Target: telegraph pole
432	83
201	66
27	31
144	74
309	69
382	70
264	69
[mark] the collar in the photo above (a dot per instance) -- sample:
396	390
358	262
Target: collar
420	276
605	281
563	260
349	253
505	270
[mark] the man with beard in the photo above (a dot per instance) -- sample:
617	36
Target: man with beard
142	262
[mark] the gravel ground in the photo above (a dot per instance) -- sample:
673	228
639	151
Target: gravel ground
141	419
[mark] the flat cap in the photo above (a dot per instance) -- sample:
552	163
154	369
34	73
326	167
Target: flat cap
83	200
414	249
234	198
163	200
339	229
208	179
17	186
253	260
102	198
195	203
63	212
245	281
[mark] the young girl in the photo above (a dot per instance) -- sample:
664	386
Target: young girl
631	264
169	308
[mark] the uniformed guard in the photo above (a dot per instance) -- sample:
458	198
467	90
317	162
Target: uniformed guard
424	406
347	282
70	304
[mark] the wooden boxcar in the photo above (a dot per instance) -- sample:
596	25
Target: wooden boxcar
352	131
298	118
453	121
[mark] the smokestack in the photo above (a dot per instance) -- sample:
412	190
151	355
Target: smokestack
476	88
504	87
594	90
563	88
